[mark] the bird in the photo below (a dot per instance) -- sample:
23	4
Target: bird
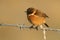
36	17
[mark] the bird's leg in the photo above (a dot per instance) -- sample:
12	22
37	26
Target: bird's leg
36	27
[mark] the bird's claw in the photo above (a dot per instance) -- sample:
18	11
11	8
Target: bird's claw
30	27
36	28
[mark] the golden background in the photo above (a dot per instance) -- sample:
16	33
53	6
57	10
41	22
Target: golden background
12	12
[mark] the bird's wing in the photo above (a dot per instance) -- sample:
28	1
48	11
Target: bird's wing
41	14
44	15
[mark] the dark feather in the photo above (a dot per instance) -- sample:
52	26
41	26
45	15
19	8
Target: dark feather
46	25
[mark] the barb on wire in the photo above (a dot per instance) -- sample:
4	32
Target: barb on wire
44	33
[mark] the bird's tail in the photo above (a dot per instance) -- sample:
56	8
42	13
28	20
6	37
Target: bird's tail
46	25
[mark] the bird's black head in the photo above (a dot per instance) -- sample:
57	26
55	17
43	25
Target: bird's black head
30	10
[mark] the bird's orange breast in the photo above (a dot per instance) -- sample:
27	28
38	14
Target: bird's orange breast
36	20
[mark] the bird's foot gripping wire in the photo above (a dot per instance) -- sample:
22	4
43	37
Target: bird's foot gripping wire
31	27
36	28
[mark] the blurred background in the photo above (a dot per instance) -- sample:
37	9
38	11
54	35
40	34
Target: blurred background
12	12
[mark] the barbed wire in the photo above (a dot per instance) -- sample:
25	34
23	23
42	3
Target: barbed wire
41	27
